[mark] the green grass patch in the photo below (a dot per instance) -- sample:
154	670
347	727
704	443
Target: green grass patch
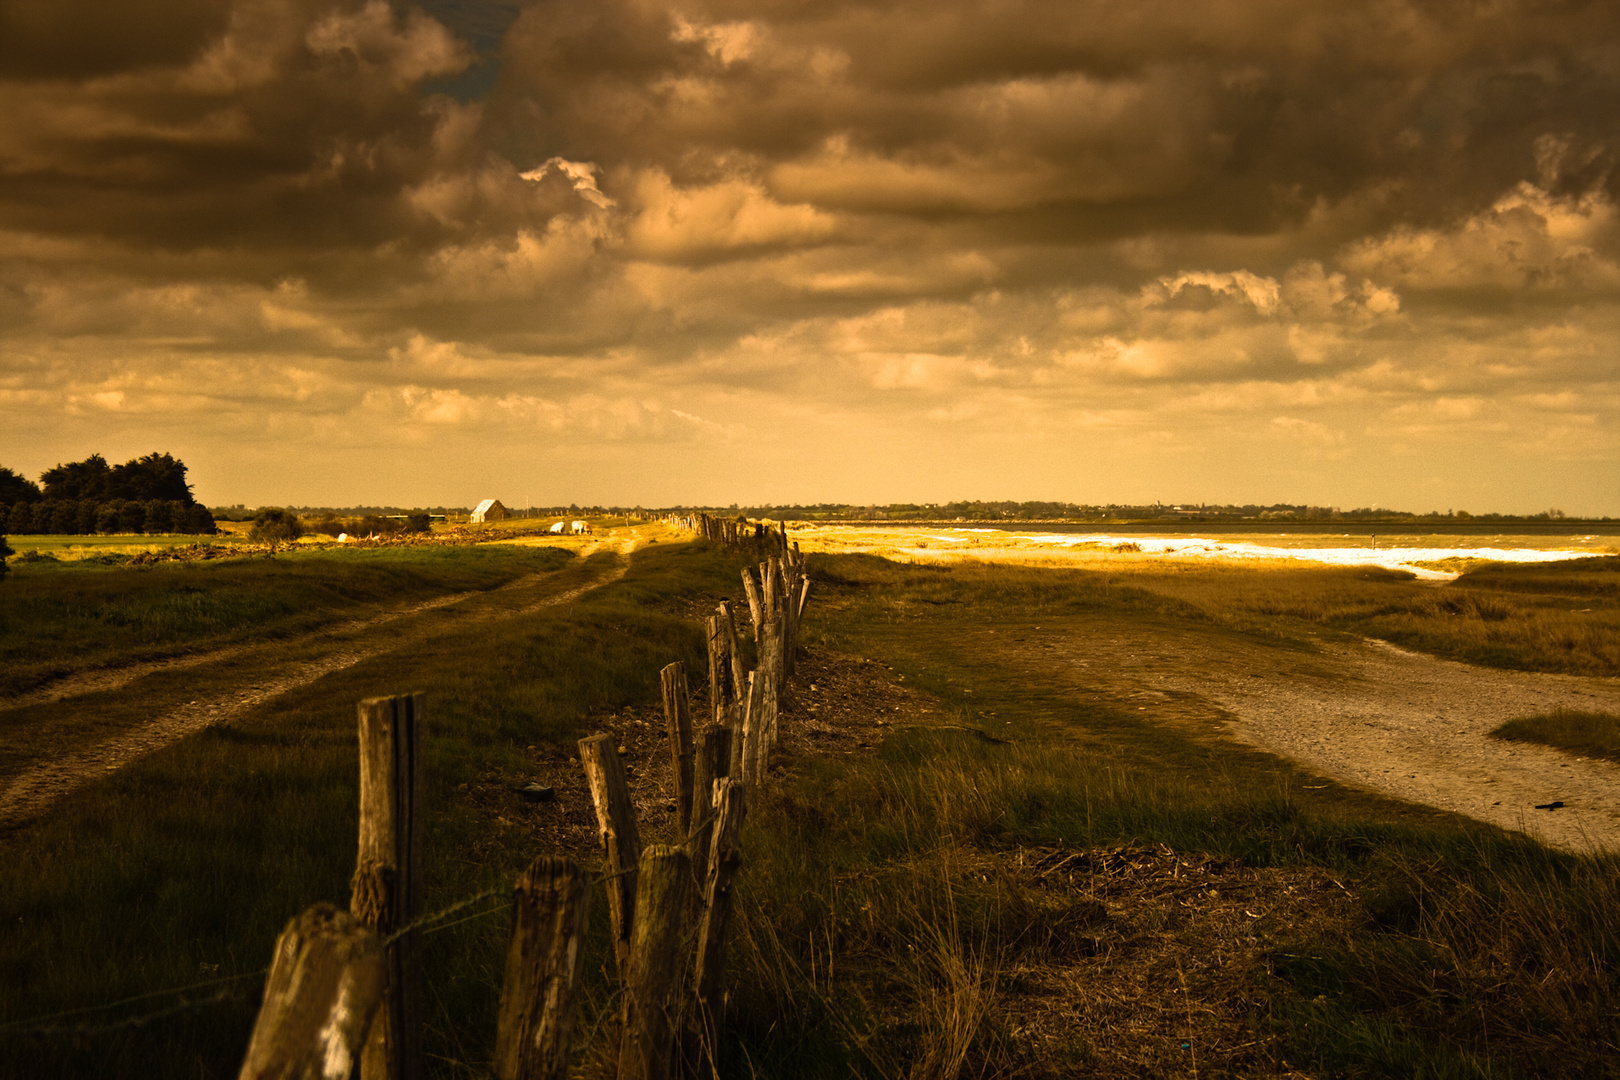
1589	734
61	617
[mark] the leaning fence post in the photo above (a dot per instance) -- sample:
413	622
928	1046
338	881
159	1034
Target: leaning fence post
387	886
678	722
621	840
725	857
656	961
543	966
324	988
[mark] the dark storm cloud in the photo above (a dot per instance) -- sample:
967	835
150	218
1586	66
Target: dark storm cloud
976	222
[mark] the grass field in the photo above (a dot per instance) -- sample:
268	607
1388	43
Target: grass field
1587	734
891	924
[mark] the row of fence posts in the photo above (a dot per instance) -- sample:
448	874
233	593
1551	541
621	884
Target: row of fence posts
759	536
345	988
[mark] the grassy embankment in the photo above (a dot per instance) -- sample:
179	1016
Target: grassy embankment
887	928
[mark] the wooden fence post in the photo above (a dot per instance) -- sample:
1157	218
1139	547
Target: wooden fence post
387	887
621	840
713	762
543	966
749	752
725	857
739	671
657	959
751	590
678	722
719	668
324	988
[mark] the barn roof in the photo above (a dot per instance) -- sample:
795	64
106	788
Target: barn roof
485	505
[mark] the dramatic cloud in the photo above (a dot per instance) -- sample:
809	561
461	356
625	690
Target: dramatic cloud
636	251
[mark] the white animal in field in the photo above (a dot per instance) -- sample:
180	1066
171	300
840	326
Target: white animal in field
557	528
579	527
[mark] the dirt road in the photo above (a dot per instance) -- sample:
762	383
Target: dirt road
1364	713
31	793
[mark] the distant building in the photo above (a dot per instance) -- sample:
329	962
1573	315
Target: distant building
489	510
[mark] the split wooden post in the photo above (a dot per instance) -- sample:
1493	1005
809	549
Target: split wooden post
748	753
712	762
719	668
751	590
725	857
543	966
387	888
324	988
678	723
621	840
739	671
651	996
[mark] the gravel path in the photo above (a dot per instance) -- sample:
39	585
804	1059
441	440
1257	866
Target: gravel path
1374	716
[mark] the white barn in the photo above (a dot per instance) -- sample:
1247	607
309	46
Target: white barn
489	510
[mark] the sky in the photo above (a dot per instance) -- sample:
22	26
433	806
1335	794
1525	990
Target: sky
623	252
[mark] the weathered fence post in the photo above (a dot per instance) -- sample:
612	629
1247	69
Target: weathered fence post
387	886
739	671
712	762
751	590
719	670
621	840
748	753
543	966
324	988
678	722
656	961
725	857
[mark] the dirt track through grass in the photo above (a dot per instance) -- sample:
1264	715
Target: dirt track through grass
31	794
1366	714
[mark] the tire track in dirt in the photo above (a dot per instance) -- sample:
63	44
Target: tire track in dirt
1366	714
31	793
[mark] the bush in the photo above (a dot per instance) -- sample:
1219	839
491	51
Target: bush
5	551
273	525
198	520
418	523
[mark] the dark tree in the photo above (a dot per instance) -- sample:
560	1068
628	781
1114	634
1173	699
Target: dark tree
418	523
77	480
155	476
5	551
16	489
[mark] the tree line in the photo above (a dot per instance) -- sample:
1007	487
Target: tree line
143	495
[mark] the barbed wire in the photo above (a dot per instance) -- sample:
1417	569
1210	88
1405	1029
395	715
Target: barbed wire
46	1025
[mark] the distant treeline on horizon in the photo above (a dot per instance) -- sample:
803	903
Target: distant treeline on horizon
1110	512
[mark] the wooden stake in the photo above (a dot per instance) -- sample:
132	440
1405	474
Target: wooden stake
725	857
621	840
751	590
324	988
387	888
678	722
747	753
739	673
543	965
712	762
656	961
